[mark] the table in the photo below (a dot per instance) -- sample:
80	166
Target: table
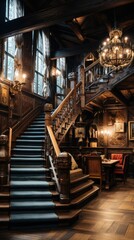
108	166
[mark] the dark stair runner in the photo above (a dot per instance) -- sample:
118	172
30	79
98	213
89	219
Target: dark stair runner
31	201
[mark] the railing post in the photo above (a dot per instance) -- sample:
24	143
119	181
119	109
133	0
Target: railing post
4	160
48	109
63	163
81	78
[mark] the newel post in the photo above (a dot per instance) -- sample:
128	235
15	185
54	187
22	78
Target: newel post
48	109
63	163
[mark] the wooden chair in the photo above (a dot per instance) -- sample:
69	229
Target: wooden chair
121	170
94	167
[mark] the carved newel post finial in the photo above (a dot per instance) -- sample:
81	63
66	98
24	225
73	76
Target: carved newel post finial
48	109
64	165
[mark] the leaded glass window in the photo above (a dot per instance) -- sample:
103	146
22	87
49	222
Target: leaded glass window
41	63
60	79
13	10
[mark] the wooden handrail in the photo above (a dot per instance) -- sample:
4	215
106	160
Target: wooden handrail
59	108
92	65
10	142
53	140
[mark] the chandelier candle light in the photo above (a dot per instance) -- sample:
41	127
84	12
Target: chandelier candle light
116	51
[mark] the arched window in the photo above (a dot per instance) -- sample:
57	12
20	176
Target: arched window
14	10
42	64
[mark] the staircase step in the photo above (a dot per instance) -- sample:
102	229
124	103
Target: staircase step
77	190
30	184
22	146
29	170
31	194
42	125
35	137
30	177
76	181
35	204
27	149
31	133
23	157
35	129
40	217
86	196
38	141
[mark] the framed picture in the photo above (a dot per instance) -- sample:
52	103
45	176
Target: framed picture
119	127
131	130
4	95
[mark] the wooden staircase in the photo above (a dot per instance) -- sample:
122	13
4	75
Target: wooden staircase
105	81
24	203
82	189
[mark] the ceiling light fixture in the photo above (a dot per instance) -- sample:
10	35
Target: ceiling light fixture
116	51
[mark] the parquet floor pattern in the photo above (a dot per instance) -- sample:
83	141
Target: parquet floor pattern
110	216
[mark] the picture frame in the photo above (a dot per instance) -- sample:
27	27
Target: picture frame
4	95
119	127
131	130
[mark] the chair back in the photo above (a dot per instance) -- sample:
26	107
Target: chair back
126	164
117	156
94	166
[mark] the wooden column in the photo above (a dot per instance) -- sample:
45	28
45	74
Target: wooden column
64	165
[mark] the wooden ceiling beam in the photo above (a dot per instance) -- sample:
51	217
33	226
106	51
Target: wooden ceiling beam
76	29
119	96
85	47
95	104
54	15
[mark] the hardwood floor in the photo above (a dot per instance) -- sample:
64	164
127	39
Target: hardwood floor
110	216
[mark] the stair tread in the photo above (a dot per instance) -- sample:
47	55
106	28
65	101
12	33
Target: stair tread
27	146
27	158
31	204
81	186
30	193
29	182
30	149
31	140
86	176
85	195
41	169
19	217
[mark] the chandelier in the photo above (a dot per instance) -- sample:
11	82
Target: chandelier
116	51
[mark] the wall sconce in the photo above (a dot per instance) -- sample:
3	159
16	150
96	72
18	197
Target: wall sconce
55	72
16	85
105	132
